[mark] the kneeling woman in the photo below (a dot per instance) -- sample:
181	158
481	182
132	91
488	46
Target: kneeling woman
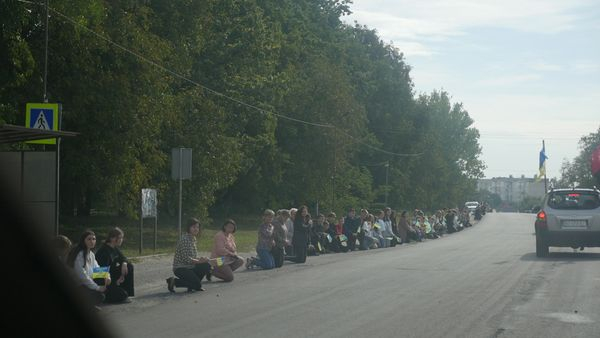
225	248
265	244
121	270
187	266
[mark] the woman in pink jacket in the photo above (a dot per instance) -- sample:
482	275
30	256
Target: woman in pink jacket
224	252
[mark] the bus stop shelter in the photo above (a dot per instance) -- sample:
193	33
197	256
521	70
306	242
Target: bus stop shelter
33	176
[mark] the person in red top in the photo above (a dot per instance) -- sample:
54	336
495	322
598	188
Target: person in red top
339	227
224	252
336	231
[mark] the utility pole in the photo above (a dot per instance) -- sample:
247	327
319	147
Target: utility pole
46	57
58	139
334	170
387	169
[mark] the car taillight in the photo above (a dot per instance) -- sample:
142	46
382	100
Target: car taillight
540	222
541	216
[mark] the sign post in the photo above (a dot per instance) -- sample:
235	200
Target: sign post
181	169
149	203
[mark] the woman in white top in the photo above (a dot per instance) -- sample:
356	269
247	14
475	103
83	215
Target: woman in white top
82	260
368	240
289	225
385	224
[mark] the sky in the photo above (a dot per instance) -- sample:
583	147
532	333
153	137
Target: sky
526	71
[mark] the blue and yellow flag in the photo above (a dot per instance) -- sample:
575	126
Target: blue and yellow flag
217	261
100	272
543	158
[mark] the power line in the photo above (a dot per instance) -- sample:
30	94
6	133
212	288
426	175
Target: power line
374	164
378	149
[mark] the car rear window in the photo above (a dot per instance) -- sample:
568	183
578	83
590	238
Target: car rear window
574	200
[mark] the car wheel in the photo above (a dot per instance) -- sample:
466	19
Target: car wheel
541	248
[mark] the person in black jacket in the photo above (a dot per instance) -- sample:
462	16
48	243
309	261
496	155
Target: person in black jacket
450	221
351	228
121	270
302	225
318	234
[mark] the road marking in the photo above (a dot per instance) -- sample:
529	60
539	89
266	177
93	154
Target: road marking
572	318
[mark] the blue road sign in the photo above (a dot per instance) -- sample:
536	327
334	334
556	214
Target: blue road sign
41	119
42	116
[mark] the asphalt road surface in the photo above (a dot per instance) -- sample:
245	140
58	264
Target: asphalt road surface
482	282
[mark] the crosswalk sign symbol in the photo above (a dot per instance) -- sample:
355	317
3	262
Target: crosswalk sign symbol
41	121
42	116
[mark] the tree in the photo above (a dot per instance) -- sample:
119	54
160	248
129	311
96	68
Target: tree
579	171
281	102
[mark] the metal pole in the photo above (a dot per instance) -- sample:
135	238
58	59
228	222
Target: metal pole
155	221
334	170
180	187
387	167
141	226
545	180
46	57
57	188
155	229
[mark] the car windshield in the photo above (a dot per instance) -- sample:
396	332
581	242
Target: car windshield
574	200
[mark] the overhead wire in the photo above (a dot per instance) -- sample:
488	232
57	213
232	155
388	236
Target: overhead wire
378	149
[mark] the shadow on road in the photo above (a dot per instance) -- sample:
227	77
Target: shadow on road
563	256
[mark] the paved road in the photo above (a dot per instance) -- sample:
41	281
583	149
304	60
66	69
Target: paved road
481	282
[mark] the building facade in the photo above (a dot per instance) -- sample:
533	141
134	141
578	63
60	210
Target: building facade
512	189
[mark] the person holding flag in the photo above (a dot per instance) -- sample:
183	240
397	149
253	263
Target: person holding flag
83	261
224	257
119	267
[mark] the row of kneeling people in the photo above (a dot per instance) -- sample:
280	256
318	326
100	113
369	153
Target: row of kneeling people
288	235
291	235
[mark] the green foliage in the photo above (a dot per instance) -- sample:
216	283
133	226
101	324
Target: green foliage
294	58
578	173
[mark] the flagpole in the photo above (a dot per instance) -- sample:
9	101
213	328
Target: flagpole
545	180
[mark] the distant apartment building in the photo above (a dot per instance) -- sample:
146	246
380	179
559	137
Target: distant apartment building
512	189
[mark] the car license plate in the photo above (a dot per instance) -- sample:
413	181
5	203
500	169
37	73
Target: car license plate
574	224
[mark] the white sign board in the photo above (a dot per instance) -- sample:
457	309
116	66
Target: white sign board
149	203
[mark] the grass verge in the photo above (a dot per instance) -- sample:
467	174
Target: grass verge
166	235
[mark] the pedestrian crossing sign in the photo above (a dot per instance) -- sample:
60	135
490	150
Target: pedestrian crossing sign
42	116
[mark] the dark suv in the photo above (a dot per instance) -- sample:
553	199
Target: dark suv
568	218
